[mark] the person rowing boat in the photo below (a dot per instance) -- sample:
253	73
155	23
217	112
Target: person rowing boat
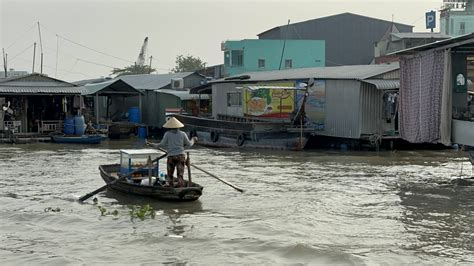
174	142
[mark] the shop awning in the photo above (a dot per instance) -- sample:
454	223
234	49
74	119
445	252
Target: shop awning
184	95
384	84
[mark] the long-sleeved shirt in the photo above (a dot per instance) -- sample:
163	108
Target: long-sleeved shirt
174	142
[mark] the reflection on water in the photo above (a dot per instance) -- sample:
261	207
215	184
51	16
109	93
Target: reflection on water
440	219
312	207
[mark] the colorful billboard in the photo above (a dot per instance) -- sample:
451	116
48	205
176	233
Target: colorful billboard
316	105
266	102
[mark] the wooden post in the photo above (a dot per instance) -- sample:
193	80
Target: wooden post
97	109
150	169
34	55
189	170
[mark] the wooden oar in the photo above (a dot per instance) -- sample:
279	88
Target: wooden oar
189	170
83	198
218	178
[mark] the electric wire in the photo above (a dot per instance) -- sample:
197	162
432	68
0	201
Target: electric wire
86	47
21	36
61	70
24	50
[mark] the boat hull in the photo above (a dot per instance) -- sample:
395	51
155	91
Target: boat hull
254	135
190	193
95	139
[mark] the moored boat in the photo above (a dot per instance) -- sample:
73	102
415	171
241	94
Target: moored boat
84	139
232	132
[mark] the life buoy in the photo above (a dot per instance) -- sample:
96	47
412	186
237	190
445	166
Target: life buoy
214	136
240	140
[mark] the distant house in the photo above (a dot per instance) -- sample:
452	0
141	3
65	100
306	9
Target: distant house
13	73
37	103
457	18
349	103
395	41
164	91
263	55
152	94
349	37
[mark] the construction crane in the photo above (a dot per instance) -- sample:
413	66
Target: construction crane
142	54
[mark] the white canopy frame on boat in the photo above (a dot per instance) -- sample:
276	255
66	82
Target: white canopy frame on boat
301	87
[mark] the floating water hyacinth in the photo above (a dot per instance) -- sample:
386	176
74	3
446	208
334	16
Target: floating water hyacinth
141	212
50	209
104	212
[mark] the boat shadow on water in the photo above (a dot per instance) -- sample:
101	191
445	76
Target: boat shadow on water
168	207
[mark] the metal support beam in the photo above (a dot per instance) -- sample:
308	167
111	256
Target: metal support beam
140	107
97	109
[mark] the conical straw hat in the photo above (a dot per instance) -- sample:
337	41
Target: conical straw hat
173	123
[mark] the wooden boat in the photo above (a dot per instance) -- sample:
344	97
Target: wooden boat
84	139
138	174
110	174
237	132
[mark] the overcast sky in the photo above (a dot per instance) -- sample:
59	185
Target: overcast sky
86	39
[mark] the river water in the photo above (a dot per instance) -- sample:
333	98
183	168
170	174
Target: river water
311	207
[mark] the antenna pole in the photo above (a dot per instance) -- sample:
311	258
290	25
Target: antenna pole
34	55
57	55
41	47
284	44
151	58
4	62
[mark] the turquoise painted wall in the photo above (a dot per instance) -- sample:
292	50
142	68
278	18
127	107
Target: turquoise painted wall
452	25
302	53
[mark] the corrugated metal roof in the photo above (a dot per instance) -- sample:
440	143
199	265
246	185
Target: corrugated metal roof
41	90
384	84
420	35
359	72
346	14
448	43
184	94
152	81
111	87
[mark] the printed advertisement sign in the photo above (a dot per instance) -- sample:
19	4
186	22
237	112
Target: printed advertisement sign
276	103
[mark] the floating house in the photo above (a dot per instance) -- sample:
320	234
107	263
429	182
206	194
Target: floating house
37	103
144	100
347	103
435	103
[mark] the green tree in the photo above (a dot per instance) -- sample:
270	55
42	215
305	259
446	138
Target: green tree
133	70
188	63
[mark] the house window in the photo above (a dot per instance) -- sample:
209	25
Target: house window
234	99
288	63
462	27
227	58
261	63
237	58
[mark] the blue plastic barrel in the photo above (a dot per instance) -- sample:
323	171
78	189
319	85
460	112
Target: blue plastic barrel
79	125
142	132
69	126
134	114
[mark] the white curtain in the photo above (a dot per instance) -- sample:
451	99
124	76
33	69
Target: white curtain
421	93
446	101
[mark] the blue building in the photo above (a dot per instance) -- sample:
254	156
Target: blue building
263	55
457	17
